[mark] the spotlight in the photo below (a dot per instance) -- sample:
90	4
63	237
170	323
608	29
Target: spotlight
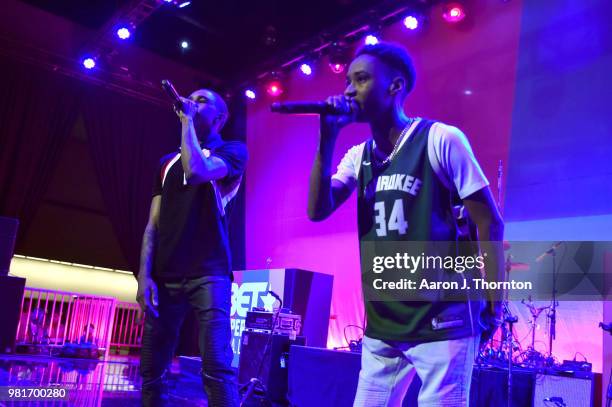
306	69
184	4
411	22
339	58
123	33
371	39
89	63
453	12
250	93
274	88
185	44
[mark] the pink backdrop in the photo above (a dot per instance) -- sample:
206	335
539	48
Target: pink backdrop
480	58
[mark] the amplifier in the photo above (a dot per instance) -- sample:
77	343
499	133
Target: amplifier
565	390
269	366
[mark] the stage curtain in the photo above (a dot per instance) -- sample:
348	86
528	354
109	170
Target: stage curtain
37	111
127	137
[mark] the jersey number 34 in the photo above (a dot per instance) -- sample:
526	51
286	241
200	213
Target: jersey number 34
396	221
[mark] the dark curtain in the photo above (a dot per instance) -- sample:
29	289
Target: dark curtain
127	137
37	111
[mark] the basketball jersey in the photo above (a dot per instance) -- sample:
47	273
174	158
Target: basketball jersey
404	200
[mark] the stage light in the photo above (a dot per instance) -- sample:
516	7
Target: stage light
123	33
371	39
184	4
185	44
250	93
453	12
274	88
306	69
411	22
89	63
339	57
337	68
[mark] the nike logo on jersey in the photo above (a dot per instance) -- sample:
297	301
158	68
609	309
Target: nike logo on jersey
399	182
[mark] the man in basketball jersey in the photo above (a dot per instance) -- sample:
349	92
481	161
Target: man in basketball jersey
406	176
185	259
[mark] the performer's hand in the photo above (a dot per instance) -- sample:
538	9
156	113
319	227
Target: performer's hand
147	296
492	318
331	124
190	108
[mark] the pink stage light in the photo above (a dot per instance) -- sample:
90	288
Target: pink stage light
411	22
274	88
453	12
337	68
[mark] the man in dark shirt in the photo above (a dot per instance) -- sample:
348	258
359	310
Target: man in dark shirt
185	259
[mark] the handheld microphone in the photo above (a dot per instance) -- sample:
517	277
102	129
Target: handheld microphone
172	94
309	108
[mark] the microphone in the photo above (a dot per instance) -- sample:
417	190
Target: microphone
606	327
172	94
276	296
309	108
549	251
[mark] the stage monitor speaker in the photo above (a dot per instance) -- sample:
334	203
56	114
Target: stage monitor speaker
554	390
8	233
11	294
274	363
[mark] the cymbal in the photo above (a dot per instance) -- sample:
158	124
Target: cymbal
515	266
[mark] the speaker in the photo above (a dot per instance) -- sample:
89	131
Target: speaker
11	294
274	362
575	390
8	233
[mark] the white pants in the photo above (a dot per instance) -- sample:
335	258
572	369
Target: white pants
444	367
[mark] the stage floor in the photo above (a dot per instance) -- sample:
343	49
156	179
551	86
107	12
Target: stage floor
115	382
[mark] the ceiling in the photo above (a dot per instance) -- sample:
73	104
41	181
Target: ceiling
229	39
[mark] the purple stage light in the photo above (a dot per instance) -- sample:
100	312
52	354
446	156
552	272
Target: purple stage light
274	88
250	93
411	22
185	44
371	39
337	68
306	69
184	4
89	63
123	33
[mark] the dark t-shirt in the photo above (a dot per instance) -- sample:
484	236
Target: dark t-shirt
192	235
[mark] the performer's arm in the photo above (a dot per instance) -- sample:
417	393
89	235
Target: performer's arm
198	168
326	194
147	290
483	212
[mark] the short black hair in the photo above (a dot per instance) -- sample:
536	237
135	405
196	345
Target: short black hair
395	57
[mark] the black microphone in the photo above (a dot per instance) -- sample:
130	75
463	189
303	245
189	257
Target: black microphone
276	296
172	94
606	327
309	108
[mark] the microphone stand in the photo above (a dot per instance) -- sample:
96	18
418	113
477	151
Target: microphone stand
552	315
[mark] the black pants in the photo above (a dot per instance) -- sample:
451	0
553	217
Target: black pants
210	297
